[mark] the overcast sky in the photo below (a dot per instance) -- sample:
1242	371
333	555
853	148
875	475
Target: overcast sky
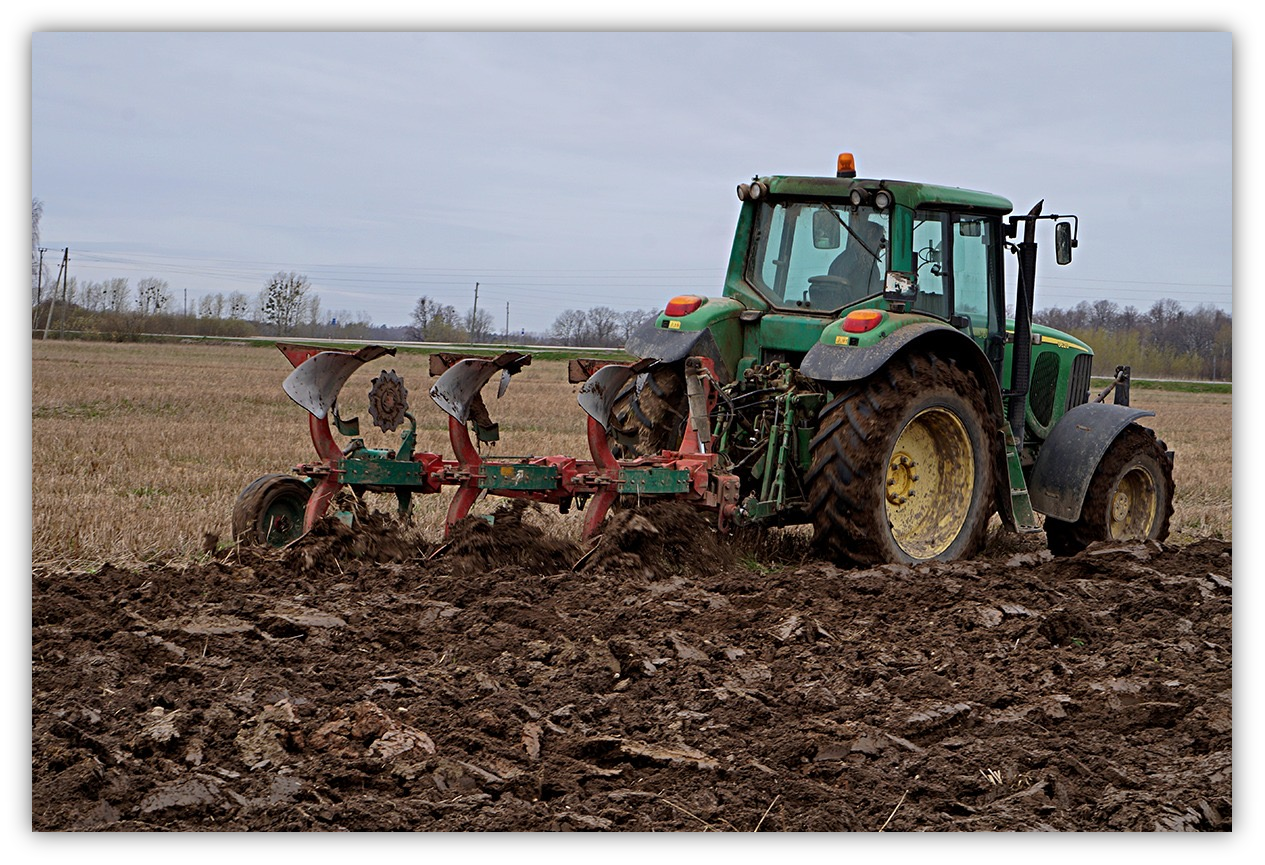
566	170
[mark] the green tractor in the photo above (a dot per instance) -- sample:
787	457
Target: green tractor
868	381
859	374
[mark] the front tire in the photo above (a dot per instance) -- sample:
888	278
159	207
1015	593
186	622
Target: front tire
902	466
1130	496
270	510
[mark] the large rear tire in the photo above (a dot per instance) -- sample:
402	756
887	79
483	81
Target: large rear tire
270	510
1130	496
653	420
902	467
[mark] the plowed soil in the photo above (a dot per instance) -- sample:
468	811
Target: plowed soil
665	683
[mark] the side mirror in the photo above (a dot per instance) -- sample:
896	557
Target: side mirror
899	285
825	230
1063	242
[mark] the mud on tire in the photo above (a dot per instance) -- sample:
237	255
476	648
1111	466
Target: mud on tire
270	510
652	420
902	466
1130	496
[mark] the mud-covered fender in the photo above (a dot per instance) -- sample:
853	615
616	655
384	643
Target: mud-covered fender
838	363
1067	461
669	346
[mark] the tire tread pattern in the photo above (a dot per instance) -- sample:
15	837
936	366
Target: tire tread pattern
847	479
254	501
1065	538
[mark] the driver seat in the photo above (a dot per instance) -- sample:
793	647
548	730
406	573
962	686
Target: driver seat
857	266
823	295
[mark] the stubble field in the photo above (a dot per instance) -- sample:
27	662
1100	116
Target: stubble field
140	450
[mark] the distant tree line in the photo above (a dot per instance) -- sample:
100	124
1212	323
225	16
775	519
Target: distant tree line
1165	341
285	307
599	326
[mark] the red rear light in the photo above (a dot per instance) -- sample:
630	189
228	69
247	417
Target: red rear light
861	320
682	305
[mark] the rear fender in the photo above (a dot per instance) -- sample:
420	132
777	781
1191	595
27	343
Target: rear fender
1067	461
837	363
670	346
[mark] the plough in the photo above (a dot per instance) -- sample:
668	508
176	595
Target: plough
277	510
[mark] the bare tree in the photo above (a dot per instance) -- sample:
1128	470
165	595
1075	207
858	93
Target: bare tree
1129	318
117	292
152	295
432	321
1162	318
568	327
211	306
37	212
238	305
91	295
602	325
1199	330
630	320
478	324
282	300
1106	314
310	315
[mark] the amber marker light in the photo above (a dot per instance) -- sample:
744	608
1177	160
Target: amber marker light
682	305
862	320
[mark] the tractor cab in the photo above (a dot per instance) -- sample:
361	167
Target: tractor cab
819	247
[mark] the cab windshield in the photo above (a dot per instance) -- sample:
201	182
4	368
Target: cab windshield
814	255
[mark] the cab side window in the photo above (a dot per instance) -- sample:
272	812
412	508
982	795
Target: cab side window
973	277
930	260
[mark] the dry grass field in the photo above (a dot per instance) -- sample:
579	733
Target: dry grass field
139	450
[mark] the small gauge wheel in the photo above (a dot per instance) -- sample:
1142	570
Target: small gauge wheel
270	510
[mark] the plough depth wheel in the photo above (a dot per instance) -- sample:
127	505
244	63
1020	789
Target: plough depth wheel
270	510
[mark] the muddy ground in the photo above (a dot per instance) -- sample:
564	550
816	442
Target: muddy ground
667	683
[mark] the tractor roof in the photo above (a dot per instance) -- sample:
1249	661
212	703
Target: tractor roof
907	193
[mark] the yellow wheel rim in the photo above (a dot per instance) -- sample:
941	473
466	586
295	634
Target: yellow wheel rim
930	481
1133	506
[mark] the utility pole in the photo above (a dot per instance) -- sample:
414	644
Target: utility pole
39	289
65	296
52	298
474	313
507	322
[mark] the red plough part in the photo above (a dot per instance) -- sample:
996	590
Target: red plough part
692	473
